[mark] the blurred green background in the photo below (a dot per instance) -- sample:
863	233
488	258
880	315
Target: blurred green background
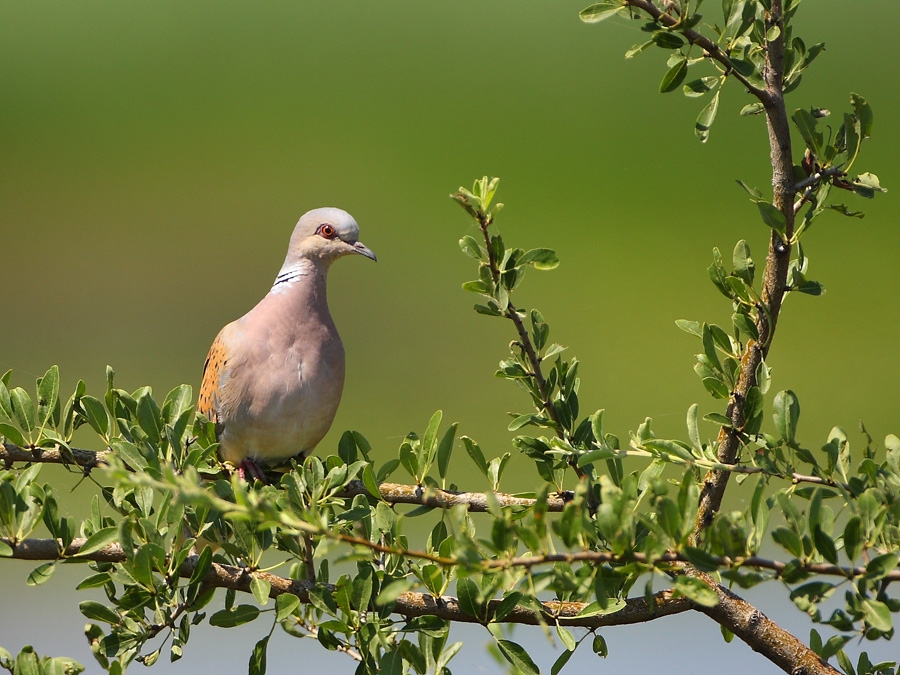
155	156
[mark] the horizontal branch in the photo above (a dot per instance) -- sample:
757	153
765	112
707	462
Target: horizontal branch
810	183
755	562
812	179
794	477
394	493
410	604
398	493
87	459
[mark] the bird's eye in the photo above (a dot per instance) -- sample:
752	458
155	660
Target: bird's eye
327	231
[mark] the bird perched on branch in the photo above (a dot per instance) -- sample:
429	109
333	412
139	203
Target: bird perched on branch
273	379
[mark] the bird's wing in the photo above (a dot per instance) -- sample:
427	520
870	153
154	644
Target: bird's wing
213	372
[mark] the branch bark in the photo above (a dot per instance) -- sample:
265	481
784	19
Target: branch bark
393	493
762	634
732	611
410	604
775	276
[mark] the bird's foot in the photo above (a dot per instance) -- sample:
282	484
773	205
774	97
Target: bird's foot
249	467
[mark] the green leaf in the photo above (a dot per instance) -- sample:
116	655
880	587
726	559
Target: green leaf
637	49
810	287
13	435
560	662
258	657
469	598
692	327
596	609
41	573
506	605
752	191
599	646
23	409
717	273
518	657
477	286
260	588
6	411
48	396
699	87
866	185
370	482
668	39
853	538
674	76
98	540
825	545
236	616
786	411
393	590
892	448
445	448
285	604
177	401
789	540
475	453
148	415
693	428
844	210
772	216
882	565
470	247
94	581
95	414
362	588
706	118
877	614
863	113
806	124
541	258
752	109
565	636
696	590
428	446
447	654
744	266
600	11
97	612
702	560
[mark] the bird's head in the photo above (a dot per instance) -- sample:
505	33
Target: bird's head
324	235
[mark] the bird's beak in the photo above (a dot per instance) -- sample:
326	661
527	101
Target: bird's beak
360	247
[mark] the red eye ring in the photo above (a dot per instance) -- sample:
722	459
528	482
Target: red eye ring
327	230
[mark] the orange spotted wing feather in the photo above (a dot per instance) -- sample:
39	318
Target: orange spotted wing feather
213	369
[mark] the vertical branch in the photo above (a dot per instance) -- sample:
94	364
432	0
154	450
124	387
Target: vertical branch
775	277
484	221
511	313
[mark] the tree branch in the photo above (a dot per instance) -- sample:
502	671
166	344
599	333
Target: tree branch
775	277
761	633
87	459
410	604
393	493
710	48
477	502
739	616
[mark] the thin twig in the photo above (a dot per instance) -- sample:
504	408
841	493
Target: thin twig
710	48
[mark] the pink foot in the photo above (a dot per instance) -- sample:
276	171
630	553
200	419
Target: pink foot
249	467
